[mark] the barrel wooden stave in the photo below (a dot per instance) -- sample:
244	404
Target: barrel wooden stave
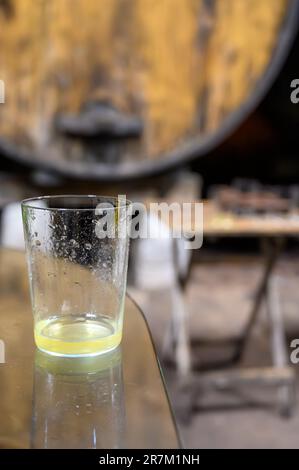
182	67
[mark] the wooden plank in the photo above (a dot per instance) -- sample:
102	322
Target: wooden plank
224	224
263	376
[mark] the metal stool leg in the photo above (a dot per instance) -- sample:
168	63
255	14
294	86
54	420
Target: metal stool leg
272	249
286	393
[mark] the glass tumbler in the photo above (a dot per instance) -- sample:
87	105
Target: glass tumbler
77	253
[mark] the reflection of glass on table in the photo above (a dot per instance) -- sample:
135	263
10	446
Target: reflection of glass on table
78	402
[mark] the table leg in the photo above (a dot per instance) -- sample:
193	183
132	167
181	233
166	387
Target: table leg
272	249
286	392
177	341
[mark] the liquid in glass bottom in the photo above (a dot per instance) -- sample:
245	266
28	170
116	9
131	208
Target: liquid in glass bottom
76	336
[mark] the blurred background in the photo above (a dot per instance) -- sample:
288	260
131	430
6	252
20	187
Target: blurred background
176	100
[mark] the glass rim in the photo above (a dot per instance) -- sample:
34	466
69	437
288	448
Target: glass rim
30	203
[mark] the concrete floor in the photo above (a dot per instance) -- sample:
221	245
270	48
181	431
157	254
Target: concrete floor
218	299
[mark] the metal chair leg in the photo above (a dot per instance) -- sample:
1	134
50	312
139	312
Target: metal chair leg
286	392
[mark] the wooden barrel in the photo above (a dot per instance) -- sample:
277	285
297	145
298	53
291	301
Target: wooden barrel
113	89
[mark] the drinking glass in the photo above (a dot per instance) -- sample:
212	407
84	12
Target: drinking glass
77	253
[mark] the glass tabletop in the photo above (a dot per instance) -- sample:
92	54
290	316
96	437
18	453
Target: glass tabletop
117	400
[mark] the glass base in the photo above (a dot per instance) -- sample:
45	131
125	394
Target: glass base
76	336
95	354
